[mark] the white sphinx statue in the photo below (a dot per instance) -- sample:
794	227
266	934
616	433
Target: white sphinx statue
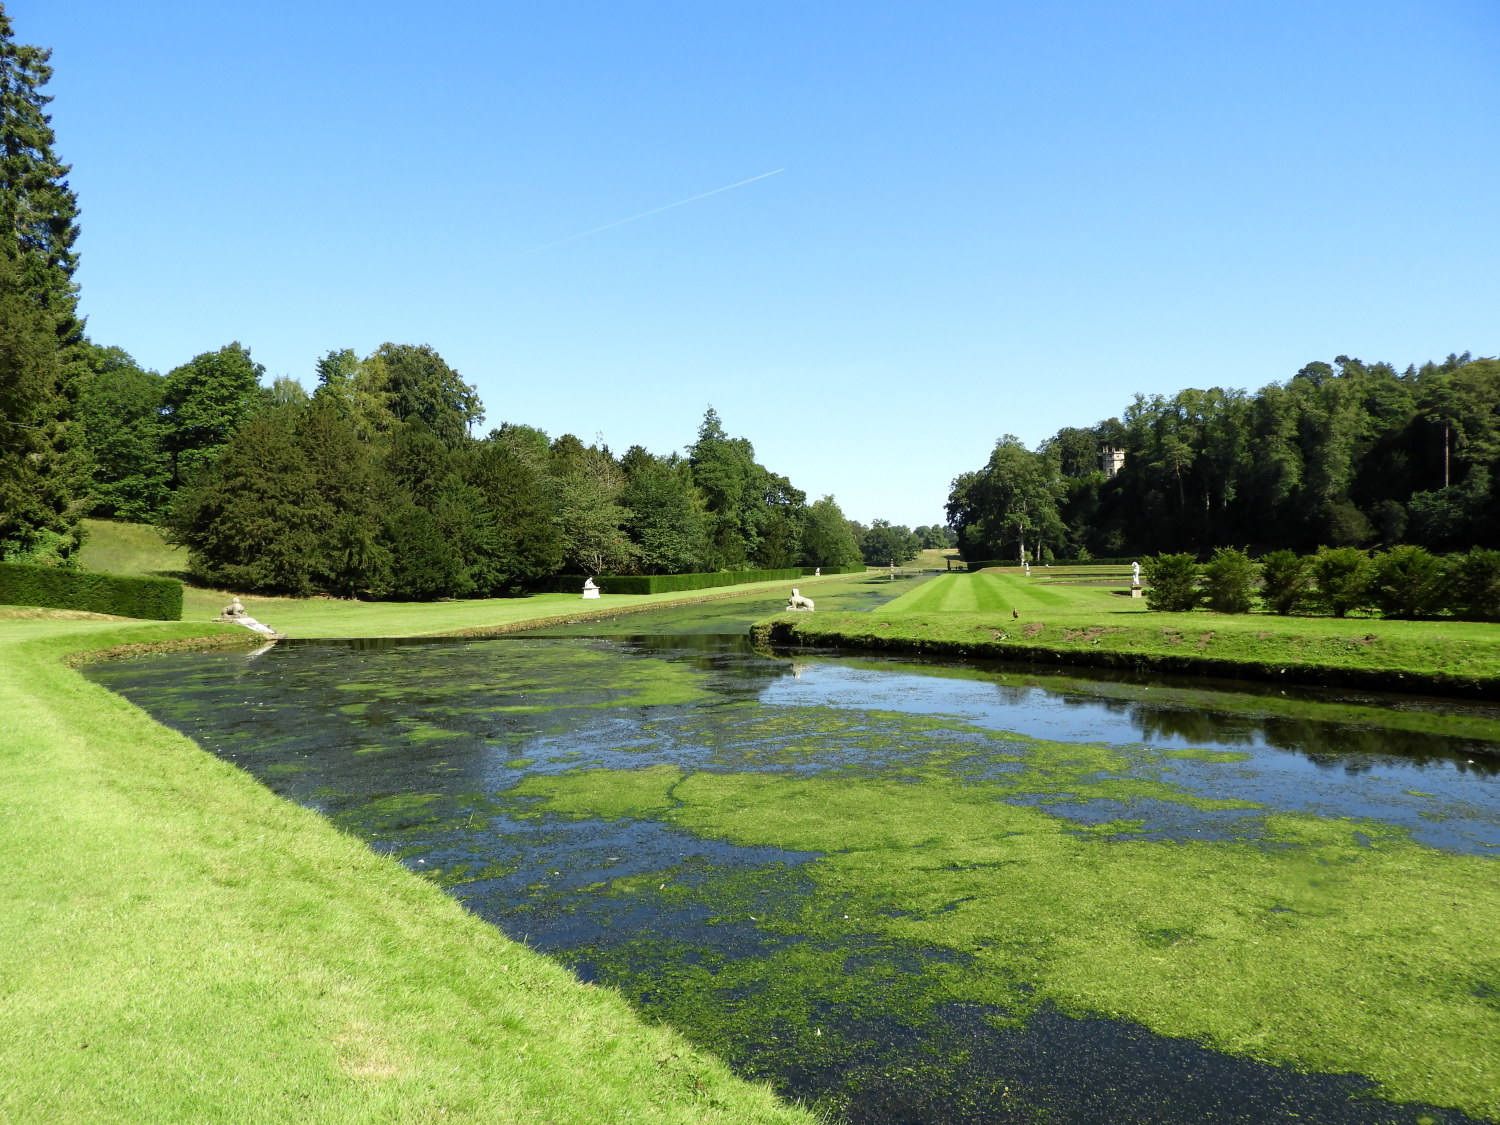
234	614
797	601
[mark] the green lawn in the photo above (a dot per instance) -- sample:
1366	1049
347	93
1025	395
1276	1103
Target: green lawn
1062	616
183	946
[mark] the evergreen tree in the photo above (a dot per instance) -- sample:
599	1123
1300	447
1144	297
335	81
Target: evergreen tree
43	460
515	537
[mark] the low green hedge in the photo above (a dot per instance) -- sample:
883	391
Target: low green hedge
982	564
156	599
671	583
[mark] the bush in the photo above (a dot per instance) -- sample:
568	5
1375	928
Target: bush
1407	582
1227	580
156	599
1171	583
1342	577
1286	579
1473	585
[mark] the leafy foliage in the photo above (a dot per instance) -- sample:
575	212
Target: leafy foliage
1286	581
1341	580
158	599
1228	579
1171	583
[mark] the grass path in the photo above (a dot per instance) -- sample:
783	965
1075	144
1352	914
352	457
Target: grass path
183	946
979	593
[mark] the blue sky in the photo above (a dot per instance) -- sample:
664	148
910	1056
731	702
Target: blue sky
993	218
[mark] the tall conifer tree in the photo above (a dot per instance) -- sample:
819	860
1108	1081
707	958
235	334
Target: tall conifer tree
43	460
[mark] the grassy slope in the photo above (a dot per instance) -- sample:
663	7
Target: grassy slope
972	613
183	946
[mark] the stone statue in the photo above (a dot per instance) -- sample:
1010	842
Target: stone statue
817	572
234	614
1135	574
797	601
589	589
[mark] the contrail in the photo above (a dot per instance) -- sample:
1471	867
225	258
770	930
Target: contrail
633	218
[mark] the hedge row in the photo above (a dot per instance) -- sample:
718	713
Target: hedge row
985	563
157	599
671	583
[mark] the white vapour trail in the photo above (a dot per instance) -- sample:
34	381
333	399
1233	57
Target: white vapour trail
633	218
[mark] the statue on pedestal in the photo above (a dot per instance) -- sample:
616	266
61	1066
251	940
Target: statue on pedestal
589	589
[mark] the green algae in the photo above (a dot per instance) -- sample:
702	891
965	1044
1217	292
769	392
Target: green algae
1331	944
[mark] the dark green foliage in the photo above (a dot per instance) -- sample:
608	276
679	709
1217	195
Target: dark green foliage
662	520
883	544
425	563
1010	507
1286	581
514	538
204	404
1344	453
826	537
405	381
156	599
1407	582
121	410
1171	583
1228	578
1472	584
42	457
934	537
257	520
1341	580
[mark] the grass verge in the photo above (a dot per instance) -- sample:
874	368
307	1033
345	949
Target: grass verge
181	945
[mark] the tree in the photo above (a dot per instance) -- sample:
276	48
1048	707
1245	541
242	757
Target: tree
1474	583
43	460
515	537
589	516
121	412
664	523
204	404
1407	582
826	537
1009	508
885	544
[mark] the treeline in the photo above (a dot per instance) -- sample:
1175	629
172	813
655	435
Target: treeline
1406	582
1341	454
374	486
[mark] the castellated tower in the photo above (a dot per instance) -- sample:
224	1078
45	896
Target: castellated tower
1111	460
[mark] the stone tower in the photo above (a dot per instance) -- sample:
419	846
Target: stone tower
1111	460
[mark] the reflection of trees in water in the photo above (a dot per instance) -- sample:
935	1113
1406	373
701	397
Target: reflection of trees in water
1354	749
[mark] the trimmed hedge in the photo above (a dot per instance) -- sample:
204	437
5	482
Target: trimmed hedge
156	599
671	583
981	564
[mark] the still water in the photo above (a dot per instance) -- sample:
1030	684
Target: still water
928	892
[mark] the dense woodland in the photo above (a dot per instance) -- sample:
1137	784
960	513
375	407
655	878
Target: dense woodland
1341	454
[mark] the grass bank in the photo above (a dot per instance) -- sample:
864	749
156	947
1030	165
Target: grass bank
1049	619
181	945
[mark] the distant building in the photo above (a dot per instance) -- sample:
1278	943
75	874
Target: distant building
1111	460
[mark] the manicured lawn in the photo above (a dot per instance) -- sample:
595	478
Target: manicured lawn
181	945
971	613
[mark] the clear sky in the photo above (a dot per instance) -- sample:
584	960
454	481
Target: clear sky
991	217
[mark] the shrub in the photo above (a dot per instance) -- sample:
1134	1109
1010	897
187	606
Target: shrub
1171	582
1341	576
1473	585
1285	581
157	599
1407	582
1227	580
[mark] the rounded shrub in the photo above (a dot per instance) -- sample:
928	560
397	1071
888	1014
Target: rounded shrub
1472	584
1407	582
1171	583
1286	581
1228	578
1341	580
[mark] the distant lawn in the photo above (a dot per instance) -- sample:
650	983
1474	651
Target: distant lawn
1096	624
129	548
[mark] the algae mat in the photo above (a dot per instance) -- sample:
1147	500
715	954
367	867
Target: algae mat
938	894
